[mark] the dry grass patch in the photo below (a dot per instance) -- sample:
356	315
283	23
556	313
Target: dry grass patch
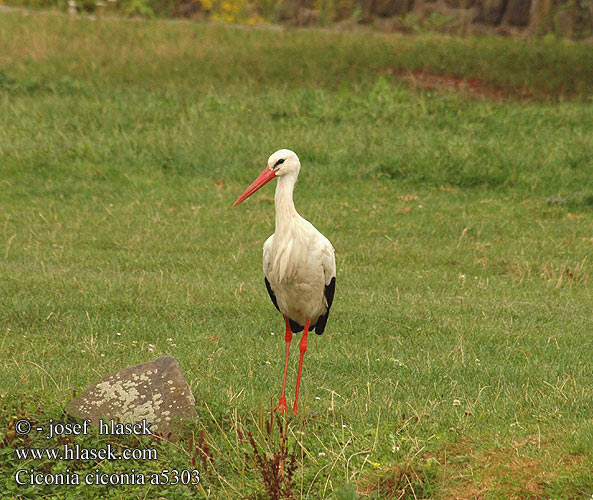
448	83
520	470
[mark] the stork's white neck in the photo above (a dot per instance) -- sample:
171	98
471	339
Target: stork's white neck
285	211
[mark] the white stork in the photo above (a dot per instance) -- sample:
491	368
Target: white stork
299	263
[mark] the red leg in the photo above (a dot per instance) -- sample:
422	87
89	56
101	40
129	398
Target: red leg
303	350
281	406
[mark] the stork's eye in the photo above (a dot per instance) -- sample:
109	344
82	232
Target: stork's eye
279	162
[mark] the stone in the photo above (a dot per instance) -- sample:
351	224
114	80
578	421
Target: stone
155	391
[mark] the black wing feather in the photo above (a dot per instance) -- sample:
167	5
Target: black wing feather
330	290
271	294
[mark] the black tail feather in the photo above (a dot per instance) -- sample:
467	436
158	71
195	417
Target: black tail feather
295	327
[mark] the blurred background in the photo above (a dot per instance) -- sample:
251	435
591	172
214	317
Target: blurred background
569	18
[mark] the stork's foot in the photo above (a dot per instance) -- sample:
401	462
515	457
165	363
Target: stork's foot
295	410
281	406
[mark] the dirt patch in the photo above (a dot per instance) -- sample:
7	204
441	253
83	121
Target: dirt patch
410	481
474	87
517	477
519	470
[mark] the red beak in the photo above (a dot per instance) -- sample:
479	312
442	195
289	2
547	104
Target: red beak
266	176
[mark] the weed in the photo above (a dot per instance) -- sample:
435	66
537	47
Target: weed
277	466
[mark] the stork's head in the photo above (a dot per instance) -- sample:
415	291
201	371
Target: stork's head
282	162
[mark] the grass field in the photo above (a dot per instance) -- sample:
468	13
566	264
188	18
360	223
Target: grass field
457	359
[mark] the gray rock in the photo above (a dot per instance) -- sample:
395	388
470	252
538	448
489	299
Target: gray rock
155	391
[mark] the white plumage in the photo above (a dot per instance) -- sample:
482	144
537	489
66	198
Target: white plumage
298	261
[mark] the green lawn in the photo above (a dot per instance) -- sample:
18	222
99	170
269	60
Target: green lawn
457	359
